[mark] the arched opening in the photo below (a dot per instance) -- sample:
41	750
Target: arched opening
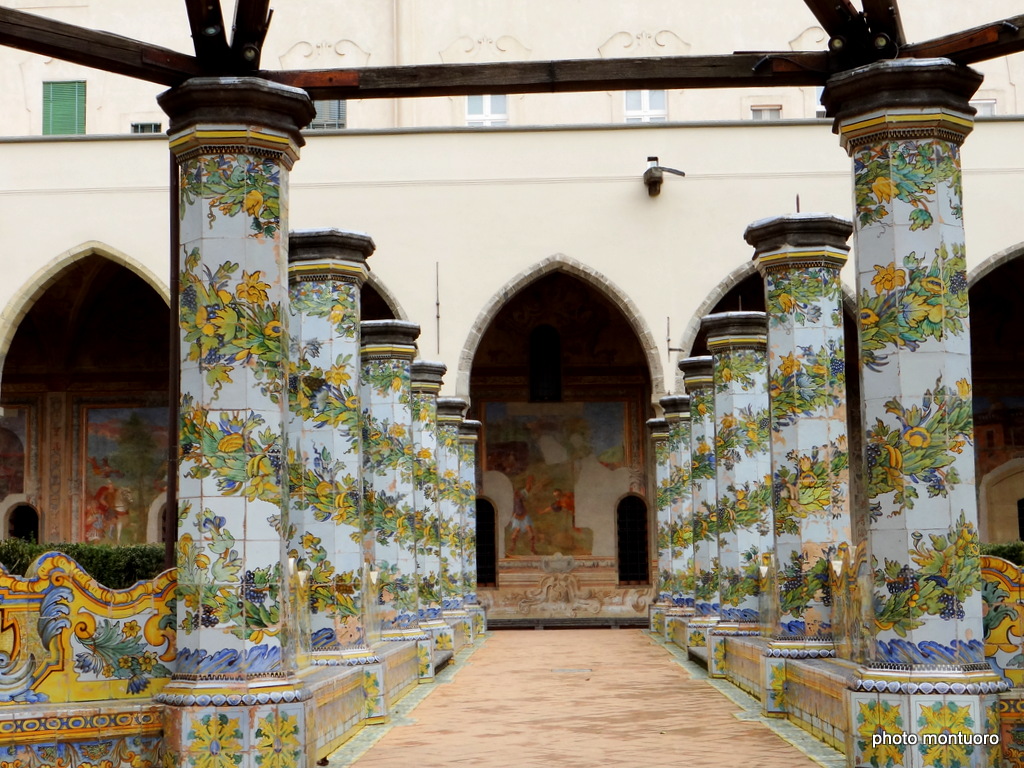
88	364
631	528
486	545
373	305
561	383
997	370
23	523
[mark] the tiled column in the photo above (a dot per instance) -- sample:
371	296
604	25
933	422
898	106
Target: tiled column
737	341
680	491
658	429
469	437
388	347
800	257
699	380
326	270
449	418
235	140
902	122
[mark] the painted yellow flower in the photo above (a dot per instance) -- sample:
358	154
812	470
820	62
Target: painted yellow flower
933	285
888	278
726	374
131	628
915	309
423	454
147	661
273	329
124	662
807	476
728	421
879	717
337	376
277	741
787	302
963	387
703	448
917	437
352	402
252	288
397	430
253	202
821	370
309	541
883	189
958	445
790	364
868	317
337	314
939	718
216	740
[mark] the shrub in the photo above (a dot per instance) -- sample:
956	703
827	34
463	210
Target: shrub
116	567
1011	550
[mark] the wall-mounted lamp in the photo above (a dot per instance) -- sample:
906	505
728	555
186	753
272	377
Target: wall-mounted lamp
655	175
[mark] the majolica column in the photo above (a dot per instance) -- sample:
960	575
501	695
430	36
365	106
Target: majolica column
680	492
658	429
903	122
235	140
737	341
699	380
469	437
800	257
449	418
326	270
426	383
388	347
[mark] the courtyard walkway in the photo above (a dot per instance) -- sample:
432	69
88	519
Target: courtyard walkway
578	699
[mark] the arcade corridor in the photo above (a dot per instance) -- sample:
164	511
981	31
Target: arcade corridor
576	699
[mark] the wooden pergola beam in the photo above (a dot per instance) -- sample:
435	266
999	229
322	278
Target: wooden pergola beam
988	41
884	18
209	38
738	70
252	20
99	50
839	18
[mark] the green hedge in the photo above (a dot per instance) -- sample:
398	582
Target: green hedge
1011	550
113	567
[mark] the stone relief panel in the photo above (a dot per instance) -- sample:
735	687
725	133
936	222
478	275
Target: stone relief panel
484	48
643	43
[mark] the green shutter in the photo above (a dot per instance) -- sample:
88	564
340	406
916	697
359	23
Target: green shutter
64	108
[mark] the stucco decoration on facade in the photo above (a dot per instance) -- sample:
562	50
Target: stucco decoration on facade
590	276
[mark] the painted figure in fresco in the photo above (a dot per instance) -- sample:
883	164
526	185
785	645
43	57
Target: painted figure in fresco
521	517
108	507
564	504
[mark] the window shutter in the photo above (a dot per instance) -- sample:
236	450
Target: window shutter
64	108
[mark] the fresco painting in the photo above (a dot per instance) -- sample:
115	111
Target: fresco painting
124	470
545	451
13	446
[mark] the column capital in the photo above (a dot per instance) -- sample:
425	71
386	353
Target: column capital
697	371
902	99
469	431
675	407
427	375
736	330
799	240
450	409
236	114
318	255
658	429
388	339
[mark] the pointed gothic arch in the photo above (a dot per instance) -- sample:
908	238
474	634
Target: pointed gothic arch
586	274
386	302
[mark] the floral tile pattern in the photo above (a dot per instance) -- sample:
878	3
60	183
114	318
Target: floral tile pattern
468	436
662	471
450	496
678	490
426	487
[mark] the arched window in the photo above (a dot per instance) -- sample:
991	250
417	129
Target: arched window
23	523
631	521
545	365
486	545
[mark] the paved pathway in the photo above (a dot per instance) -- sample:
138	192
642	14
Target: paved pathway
576	699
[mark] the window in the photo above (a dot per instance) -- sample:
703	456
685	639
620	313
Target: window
330	115
631	519
486	110
146	127
985	107
63	108
646	107
766	112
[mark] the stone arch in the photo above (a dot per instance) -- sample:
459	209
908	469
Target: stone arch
993	262
997	520
385	293
586	274
26	296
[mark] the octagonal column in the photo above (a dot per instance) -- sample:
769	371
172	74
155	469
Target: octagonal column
737	341
235	140
326	270
387	350
426	383
658	430
469	438
680	492
800	257
902	122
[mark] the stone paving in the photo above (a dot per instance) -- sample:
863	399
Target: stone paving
578	699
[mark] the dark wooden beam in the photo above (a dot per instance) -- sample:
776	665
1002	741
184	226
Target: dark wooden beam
839	18
208	34
884	19
989	41
252	19
740	70
92	48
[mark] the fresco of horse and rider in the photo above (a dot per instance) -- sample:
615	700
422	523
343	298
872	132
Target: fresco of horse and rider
124	472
